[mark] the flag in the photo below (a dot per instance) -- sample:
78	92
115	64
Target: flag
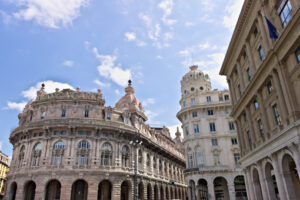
272	29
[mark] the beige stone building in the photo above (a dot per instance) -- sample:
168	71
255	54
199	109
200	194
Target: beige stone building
70	146
4	168
210	140
264	80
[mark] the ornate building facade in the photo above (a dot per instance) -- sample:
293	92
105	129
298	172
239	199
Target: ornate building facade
263	71
4	168
210	140
70	146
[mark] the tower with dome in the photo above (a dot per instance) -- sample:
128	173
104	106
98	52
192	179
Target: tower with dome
210	140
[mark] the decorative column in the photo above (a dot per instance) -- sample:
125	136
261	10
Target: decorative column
282	107
295	147
232	90
245	145
211	190
250	123
262	182
251	58
278	176
249	184
241	76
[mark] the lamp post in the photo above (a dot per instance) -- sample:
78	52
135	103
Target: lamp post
135	143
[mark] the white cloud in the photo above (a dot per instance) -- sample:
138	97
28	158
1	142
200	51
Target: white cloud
151	117
15	106
233	10
101	84
50	87
117	92
30	93
130	36
49	13
167	7
189	24
141	43
159	57
110	70
148	101
68	63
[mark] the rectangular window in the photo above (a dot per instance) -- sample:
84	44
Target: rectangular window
269	87
245	117
210	112
185	116
194	114
236	158
190	159
286	13
298	55
63	112
214	142
212	127
43	114
184	104
276	114
200	158
108	115
196	128
239	89
186	131
249	74
86	113
249	139
234	141
260	128
193	101
208	99
255	104
216	159
231	126
226	97
261	53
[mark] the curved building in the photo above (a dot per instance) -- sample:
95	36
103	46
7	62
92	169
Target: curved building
69	146
210	140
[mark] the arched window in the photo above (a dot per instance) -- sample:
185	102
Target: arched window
125	156
83	152
36	155
154	163
148	162
58	153
106	154
21	156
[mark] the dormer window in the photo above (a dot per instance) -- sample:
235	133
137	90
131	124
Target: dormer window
108	115
226	97
86	113
193	101
208	99
192	89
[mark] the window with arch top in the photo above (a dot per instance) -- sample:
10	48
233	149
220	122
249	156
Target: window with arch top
106	154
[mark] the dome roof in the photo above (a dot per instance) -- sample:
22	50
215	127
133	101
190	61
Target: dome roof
129	101
194	73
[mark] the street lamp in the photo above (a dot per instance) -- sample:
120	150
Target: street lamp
135	143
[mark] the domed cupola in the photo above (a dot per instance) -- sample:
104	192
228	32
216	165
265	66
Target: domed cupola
130	103
195	81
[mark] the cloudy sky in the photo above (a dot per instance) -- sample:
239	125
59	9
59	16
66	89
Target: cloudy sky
101	44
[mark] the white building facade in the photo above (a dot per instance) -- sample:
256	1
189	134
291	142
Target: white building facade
210	140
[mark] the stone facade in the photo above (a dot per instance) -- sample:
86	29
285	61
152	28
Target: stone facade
4	168
264	80
70	146
210	140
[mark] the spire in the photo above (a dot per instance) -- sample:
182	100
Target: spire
129	89
178	134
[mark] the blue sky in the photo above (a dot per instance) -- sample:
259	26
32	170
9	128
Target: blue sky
101	44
